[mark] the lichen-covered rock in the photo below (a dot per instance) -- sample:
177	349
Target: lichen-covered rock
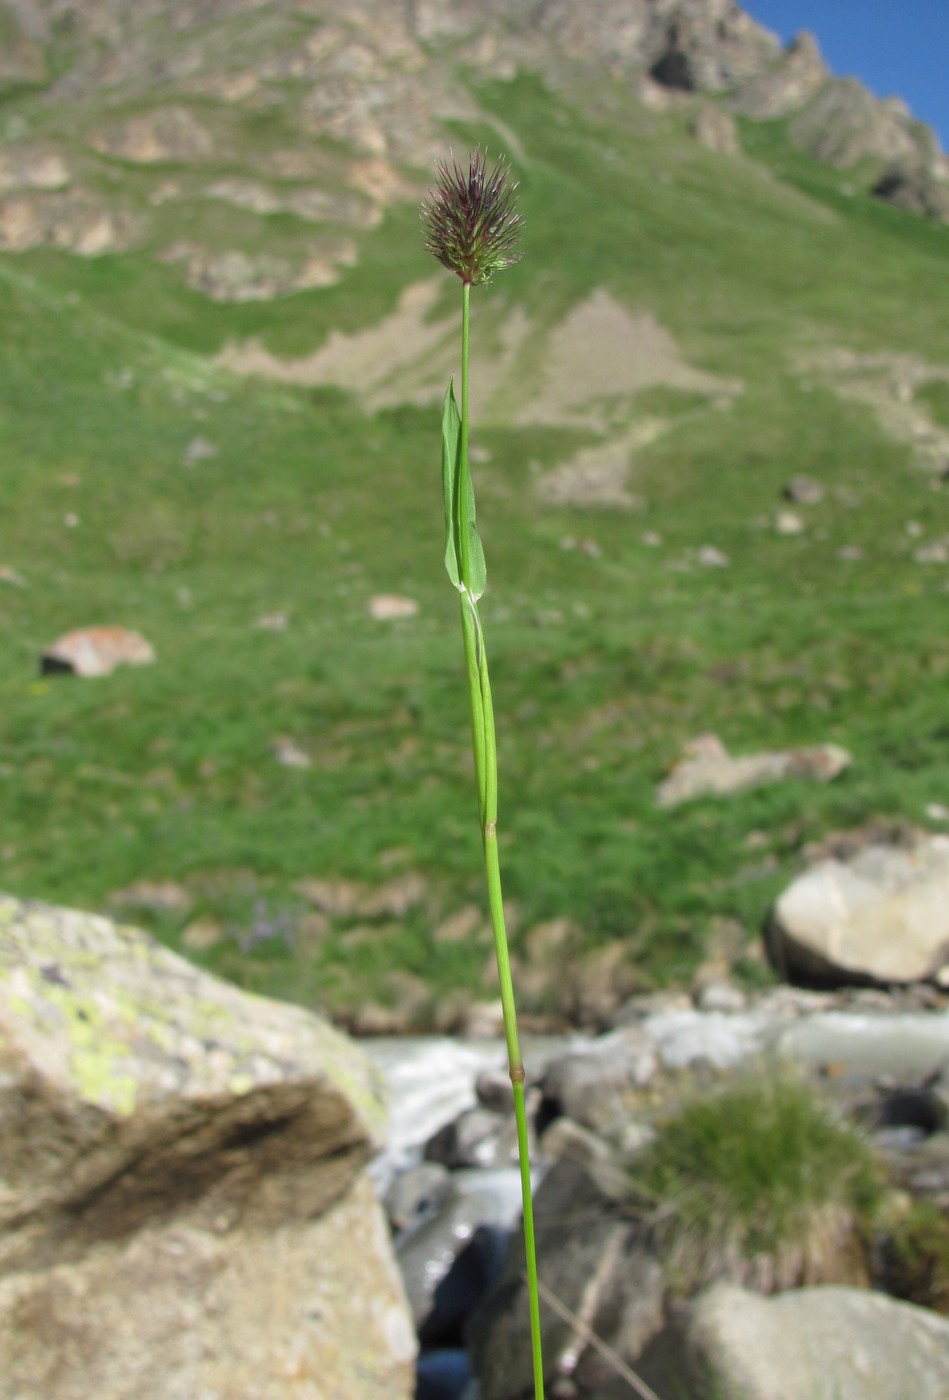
183	1205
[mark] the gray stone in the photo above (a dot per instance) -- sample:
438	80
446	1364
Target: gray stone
594	1260
804	490
478	1137
720	995
823	1343
882	916
416	1194
598	1087
183	1196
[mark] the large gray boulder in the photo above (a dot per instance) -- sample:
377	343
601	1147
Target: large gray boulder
882	916
816	1344
595	1260
184	1210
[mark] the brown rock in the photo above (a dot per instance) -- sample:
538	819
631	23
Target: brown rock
395	898
598	983
461	926
202	934
96	651
157	896
340	897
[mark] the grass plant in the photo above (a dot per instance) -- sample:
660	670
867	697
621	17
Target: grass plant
472	228
759	1183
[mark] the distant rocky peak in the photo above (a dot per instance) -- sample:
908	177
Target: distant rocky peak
706	45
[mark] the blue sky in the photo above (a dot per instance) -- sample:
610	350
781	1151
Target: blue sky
894	46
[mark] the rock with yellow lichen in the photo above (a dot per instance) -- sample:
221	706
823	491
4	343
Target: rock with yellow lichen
184	1208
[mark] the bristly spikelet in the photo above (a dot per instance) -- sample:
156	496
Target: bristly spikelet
470	220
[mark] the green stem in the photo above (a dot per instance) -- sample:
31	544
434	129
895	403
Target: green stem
464	468
515	1063
486	775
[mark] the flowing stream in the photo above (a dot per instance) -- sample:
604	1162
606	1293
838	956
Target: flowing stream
432	1078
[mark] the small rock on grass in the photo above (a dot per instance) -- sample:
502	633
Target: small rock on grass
387	607
788	522
804	490
96	651
708	769
288	753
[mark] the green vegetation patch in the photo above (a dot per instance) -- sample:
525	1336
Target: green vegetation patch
759	1182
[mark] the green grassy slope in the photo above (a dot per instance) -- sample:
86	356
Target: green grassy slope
605	660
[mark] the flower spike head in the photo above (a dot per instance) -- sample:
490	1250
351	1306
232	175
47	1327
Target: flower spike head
470	221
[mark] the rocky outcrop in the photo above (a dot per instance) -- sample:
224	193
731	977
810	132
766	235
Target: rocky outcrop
916	188
705	45
845	124
881	916
782	87
364	91
183	1203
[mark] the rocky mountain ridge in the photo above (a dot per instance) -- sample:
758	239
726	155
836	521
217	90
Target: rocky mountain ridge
144	125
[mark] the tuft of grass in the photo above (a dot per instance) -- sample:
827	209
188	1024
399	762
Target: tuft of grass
759	1183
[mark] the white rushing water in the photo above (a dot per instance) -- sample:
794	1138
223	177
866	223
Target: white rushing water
432	1079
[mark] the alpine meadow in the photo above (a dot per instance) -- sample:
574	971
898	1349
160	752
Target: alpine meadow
223	349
